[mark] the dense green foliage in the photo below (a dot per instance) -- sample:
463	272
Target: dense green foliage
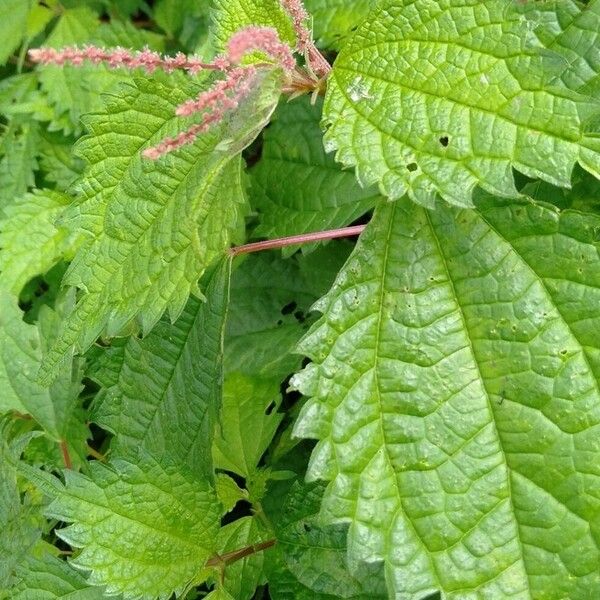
412	414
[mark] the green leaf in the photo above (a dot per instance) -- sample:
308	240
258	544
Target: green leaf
145	530
455	396
572	30
315	554
76	91
262	328
435	97
334	20
22	347
230	16
296	187
19	520
30	240
57	161
228	491
20	146
242	577
13	25
44	576
249	404
171	15
166	396
153	226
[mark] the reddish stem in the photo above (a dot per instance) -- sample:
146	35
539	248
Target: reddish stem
235	555
294	240
65	454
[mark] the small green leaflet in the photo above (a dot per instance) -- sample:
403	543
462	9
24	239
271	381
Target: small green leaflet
435	97
145	530
295	186
333	20
13	25
31	242
249	404
165	396
230	16
153	226
455	394
22	347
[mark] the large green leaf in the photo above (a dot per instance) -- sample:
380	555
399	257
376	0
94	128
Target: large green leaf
455	394
31	242
573	30
41	575
165	395
296	187
145	531
153	226
435	97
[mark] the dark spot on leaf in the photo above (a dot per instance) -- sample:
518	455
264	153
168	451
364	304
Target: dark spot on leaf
300	316
412	167
307	527
289	308
444	141
564	352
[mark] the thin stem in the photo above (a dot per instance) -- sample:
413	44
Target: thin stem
95	454
294	240
65	454
235	555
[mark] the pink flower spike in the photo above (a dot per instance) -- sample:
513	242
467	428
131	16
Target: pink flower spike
263	39
305	44
215	103
116	58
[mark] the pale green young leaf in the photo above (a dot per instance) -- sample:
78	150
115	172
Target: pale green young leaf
298	188
31	241
219	593
315	554
76	91
41	575
22	347
243	576
163	396
435	97
154	226
230	16
145	531
334	20
455	396
13	25
249	405
228	491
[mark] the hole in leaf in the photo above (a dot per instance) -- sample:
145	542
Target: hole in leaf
412	167
444	141
289	308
